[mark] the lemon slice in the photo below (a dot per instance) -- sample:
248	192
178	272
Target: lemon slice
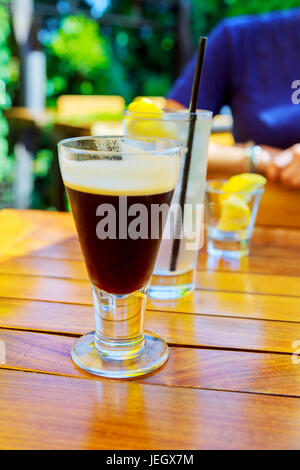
144	105
145	121
245	182
235	214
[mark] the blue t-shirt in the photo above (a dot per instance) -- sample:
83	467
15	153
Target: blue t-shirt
250	64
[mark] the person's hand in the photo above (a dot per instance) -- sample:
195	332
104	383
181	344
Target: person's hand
285	167
288	164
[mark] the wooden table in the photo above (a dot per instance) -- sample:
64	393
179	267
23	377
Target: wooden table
230	381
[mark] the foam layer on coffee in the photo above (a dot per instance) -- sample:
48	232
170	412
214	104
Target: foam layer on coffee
140	174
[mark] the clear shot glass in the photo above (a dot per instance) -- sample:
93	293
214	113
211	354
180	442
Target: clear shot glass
115	186
174	275
230	219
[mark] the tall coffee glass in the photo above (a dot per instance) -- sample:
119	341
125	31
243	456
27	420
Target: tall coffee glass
116	187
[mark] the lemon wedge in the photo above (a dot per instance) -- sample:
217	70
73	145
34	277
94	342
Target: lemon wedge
235	214
145	121
245	182
144	105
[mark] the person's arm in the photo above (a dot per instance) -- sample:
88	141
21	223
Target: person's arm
234	159
173	104
277	165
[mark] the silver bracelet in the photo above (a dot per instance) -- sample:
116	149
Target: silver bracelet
252	153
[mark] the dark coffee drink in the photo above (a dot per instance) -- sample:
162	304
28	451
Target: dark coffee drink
118	263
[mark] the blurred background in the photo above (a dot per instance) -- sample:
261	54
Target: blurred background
51	50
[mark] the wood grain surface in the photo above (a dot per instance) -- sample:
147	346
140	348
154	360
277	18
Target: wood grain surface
45	411
232	380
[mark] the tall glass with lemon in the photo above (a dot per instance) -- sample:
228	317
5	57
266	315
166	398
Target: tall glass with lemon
231	209
174	278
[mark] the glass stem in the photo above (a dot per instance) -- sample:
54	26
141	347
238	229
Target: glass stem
119	323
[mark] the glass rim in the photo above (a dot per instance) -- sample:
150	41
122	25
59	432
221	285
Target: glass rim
202	113
174	146
209	189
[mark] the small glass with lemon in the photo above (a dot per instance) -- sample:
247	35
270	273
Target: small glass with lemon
230	209
174	277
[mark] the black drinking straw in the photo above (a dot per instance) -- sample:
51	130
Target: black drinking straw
193	118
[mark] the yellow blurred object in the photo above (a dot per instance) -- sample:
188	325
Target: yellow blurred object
145	120
159	101
150	128
235	214
222	138
245	182
13	228
69	106
143	107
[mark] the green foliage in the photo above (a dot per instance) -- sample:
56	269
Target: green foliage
6	161
240	7
42	163
116	59
157	85
81	61
206	14
79	43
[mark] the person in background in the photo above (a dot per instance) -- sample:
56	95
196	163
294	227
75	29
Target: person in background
252	64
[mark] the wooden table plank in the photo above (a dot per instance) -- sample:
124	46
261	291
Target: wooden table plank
36	231
251	264
176	328
239	305
45	267
248	283
265	248
69	249
186	367
24	231
259	306
49	412
273	250
284	263
208	279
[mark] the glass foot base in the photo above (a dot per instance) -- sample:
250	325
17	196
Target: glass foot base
87	357
171	287
228	249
